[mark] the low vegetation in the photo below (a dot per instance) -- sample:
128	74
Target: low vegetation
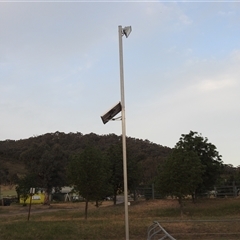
206	219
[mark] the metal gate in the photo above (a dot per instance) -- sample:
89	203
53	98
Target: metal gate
157	232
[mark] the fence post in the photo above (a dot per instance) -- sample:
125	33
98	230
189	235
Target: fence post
234	189
153	197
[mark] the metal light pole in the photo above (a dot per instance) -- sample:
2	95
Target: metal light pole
124	31
1	201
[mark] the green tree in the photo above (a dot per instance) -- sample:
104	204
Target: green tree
89	174
180	175
23	186
115	159
48	163
4	172
134	174
230	175
208	155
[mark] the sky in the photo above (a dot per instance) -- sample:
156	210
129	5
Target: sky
59	70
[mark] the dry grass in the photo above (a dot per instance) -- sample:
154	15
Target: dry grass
207	219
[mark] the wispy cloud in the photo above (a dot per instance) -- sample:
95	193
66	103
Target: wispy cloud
213	85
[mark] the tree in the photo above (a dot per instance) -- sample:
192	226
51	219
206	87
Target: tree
48	164
208	155
23	186
230	175
134	174
180	175
115	159
88	172
4	176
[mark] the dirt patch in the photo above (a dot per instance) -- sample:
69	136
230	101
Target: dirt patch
40	208
163	203
8	187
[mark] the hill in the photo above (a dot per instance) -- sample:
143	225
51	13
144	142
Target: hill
149	155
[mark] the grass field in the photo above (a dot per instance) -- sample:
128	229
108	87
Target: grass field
207	219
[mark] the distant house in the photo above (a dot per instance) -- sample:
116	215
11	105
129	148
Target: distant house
65	194
36	198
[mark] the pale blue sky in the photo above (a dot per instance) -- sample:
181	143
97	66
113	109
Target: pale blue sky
59	70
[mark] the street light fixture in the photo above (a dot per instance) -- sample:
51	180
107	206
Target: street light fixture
126	31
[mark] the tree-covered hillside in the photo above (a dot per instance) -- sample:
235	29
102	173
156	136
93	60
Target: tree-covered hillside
15	158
